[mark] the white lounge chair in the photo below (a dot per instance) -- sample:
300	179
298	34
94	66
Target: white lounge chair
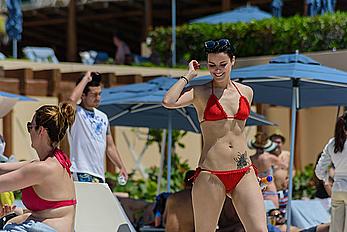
40	54
99	210
308	213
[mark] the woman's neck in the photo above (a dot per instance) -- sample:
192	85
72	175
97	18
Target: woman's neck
222	84
45	152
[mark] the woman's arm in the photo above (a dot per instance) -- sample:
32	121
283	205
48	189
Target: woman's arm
174	98
9	167
323	164
28	175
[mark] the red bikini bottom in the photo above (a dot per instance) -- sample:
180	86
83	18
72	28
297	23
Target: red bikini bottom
229	178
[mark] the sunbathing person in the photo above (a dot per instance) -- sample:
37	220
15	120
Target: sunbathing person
264	161
48	191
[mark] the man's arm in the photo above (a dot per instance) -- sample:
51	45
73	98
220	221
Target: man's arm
78	90
113	154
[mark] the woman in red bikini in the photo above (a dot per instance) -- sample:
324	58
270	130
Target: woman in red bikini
47	188
224	168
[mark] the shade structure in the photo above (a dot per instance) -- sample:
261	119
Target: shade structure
140	105
241	14
295	81
8	100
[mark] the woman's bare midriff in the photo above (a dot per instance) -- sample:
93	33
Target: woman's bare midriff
61	219
224	145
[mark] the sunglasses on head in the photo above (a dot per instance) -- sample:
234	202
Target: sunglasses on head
277	214
217	45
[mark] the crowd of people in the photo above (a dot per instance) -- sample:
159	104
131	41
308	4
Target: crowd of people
222	194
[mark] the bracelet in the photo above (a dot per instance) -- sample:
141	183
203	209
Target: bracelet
185	78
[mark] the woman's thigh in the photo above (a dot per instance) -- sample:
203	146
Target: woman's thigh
208	195
249	203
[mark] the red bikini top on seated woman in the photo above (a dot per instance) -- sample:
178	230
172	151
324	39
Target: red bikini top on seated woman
35	203
214	110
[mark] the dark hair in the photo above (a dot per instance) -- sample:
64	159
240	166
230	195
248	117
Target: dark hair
229	48
320	189
118	34
56	120
340	132
272	210
273	137
95	82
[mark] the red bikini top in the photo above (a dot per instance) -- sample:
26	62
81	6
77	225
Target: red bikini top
35	203
214	110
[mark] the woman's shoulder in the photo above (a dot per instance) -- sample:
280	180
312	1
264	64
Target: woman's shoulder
202	88
331	142
243	88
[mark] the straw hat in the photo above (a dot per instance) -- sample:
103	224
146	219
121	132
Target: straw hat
261	141
277	134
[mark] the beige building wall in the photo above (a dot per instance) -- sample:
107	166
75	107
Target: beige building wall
23	113
137	138
315	126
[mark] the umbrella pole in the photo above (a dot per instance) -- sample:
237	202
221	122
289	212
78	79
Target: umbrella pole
161	167
291	163
14	48
169	144
173	33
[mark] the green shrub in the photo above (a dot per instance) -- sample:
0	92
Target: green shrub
303	183
266	37
146	189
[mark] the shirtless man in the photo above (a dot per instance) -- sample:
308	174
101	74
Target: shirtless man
264	161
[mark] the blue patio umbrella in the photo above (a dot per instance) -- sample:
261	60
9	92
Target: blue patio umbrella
14	23
241	14
140	105
294	81
16	96
277	8
316	7
328	6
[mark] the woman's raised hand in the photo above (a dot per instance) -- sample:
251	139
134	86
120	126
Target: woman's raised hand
192	69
